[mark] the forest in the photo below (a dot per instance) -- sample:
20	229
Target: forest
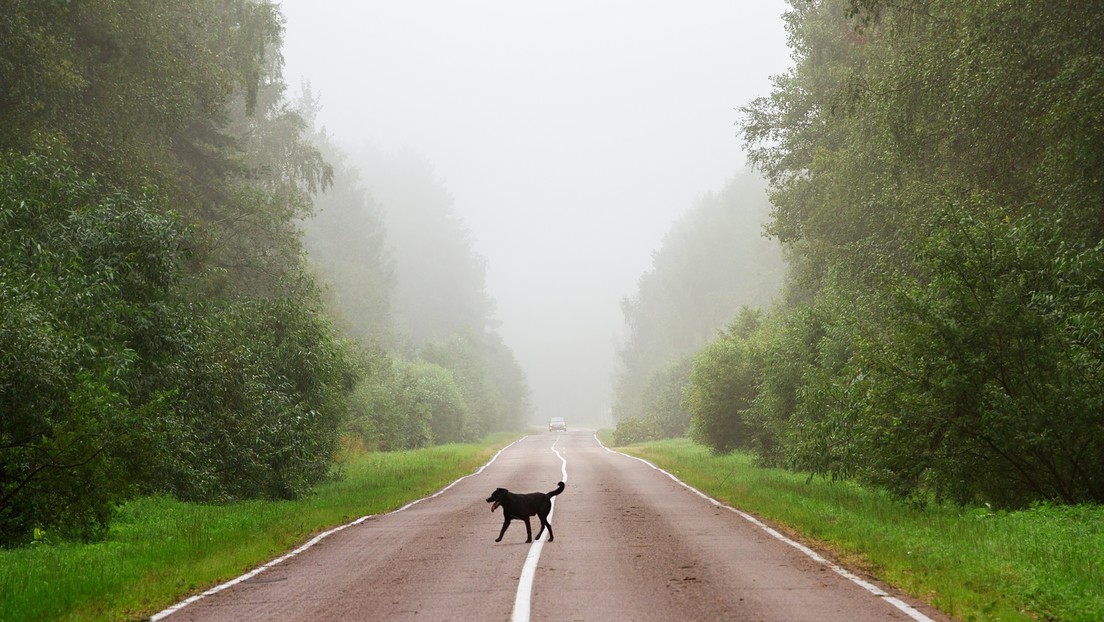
934	174
201	295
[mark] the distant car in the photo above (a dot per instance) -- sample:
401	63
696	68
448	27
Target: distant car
557	423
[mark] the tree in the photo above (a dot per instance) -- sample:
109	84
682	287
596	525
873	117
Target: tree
260	389
406	405
164	334
712	261
984	387
113	78
346	238
925	159
440	287
465	359
722	387
441	309
83	274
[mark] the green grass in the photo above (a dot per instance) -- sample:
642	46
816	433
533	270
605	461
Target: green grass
160	550
1045	563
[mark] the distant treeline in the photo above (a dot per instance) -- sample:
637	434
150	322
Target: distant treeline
936	180
162	329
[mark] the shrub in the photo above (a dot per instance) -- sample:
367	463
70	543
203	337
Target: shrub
82	271
722	386
637	430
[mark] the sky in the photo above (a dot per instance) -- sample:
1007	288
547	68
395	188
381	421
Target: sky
571	135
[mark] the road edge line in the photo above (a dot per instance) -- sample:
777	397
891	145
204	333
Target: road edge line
904	607
164	613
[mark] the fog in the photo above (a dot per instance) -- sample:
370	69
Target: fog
571	135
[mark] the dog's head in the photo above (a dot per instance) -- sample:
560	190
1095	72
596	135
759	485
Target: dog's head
497	497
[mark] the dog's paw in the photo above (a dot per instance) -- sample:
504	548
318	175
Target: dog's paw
498	539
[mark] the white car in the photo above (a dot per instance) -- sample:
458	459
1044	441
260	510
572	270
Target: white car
557	423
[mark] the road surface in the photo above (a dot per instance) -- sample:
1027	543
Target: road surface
631	543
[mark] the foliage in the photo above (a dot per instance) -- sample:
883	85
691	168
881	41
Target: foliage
468	364
346	241
131	88
437	389
933	172
632	430
786	345
722	386
450	394
504	373
986	383
261	396
661	400
974	378
799	412
383	413
82	274
158	330
408	405
424	298
440	281
712	261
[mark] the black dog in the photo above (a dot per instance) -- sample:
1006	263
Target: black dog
522	506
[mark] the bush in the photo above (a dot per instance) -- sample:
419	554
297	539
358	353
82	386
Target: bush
111	384
261	394
661	399
986	385
407	405
722	386
637	430
82	271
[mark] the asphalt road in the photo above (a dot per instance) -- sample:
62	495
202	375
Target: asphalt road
631	544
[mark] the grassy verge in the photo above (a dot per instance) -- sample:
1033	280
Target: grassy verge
1044	563
160	550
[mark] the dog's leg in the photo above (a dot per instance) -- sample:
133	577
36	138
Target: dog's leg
528	530
544	523
505	524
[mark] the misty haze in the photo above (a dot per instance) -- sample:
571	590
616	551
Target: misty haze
566	141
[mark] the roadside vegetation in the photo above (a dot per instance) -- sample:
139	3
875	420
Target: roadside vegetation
922	396
167	326
933	169
159	550
974	563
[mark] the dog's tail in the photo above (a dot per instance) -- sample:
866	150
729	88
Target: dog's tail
558	490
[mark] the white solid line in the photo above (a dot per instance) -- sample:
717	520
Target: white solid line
524	596
905	608
315	540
